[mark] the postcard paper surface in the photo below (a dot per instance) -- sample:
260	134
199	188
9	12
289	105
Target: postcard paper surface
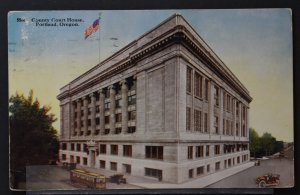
151	99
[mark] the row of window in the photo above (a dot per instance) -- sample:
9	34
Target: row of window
227	164
118	119
199	150
201	123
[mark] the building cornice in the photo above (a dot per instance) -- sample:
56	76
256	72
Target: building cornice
176	35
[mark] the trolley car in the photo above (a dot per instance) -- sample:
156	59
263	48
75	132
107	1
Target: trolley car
89	179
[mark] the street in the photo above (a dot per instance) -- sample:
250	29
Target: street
245	179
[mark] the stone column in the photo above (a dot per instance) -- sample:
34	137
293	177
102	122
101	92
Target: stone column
112	109
72	118
234	116
240	119
124	106
221	111
101	111
85	115
210	107
93	113
78	116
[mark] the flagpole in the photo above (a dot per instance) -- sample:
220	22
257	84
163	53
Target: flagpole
99	37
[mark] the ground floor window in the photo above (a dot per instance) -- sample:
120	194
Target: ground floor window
191	173
207	168
113	166
218	166
102	164
71	158
127	168
78	159
85	161
229	162
63	157
238	160
153	173
200	170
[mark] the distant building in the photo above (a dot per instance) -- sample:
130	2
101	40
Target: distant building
164	106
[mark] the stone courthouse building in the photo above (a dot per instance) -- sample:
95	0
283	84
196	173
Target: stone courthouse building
165	107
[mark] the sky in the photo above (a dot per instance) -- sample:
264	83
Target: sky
255	44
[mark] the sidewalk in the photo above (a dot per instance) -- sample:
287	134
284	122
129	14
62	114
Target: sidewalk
195	183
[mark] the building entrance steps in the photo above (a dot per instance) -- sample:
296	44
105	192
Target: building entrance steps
201	182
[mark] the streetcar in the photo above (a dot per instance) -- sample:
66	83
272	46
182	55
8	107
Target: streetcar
88	179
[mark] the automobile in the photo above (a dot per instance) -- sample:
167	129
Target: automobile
117	178
267	180
257	163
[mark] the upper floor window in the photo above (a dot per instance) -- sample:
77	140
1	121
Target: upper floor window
131	100
154	152
102	149
198	85
118	117
197	117
189	80
190	152
205	122
107	105
127	150
131	115
216	95
216	124
114	149
217	149
199	151
206	89
188	118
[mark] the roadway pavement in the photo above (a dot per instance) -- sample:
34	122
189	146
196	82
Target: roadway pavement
245	179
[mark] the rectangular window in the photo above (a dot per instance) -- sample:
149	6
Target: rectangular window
113	166
224	126
118	103
106	93
64	146
238	160
114	149
84	161
200	170
197	120
217	149
216	95
131	100
131	115
106	119
78	159
131	129
89	122
118	117
153	173
217	166
237	109
188	118
191	173
207	151
97	109
127	150
199	151
198	85
154	152
102	149
63	157
208	168
189	80
237	129
106	131
190	152
228	102
216	124
102	164
107	106
78	147
89	111
206	90
118	130
72	147
97	121
127	168
205	122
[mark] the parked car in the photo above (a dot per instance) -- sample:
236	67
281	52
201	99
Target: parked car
117	178
268	180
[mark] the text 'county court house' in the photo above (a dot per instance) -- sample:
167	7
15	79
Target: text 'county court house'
164	107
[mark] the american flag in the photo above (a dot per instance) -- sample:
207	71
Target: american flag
91	29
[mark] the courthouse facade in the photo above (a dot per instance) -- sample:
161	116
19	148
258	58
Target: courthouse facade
163	107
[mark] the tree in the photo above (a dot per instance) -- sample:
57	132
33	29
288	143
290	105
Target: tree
33	140
268	143
254	142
